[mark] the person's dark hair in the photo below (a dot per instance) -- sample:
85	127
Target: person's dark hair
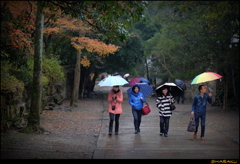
135	87
161	93
163	88
200	87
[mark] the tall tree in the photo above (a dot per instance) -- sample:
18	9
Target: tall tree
196	37
34	115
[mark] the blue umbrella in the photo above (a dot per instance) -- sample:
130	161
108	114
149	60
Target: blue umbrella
144	80
181	84
144	88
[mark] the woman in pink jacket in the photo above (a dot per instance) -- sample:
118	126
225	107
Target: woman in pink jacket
115	97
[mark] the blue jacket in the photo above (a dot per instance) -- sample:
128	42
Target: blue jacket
135	100
200	103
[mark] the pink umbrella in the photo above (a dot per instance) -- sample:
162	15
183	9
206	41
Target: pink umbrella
134	81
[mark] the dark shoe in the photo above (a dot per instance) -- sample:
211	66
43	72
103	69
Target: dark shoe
116	133
165	135
109	133
136	131
161	134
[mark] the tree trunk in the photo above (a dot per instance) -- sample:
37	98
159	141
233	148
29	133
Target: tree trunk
94	80
76	83
34	115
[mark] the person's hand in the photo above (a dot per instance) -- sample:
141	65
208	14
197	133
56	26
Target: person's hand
141	98
210	94
192	113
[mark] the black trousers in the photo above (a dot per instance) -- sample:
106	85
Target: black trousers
111	115
164	124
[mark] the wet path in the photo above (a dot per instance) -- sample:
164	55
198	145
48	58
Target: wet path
82	133
179	144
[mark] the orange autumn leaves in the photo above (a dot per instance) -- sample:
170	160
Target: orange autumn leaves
20	31
21	27
66	23
92	45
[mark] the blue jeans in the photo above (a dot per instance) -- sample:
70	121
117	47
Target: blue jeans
203	119
137	116
164	124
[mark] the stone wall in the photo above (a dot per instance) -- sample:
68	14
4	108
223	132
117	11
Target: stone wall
15	105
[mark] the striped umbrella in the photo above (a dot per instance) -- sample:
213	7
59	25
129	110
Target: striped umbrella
206	76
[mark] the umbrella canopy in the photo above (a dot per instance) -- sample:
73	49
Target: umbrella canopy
144	88
173	89
206	76
134	81
144	80
126	75
112	81
181	84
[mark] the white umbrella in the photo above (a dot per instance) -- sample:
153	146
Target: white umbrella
126	75
174	89
112	81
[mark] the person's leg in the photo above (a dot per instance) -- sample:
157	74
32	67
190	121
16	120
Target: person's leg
111	116
203	120
178	98
161	125
166	126
116	123
139	112
135	119
197	124
182	97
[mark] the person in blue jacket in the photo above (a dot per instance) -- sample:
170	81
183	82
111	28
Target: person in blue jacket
199	109
136	100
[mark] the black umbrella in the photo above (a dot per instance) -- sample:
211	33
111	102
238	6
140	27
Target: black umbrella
173	89
181	84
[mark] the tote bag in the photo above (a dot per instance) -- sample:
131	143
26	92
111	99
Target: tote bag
191	126
146	109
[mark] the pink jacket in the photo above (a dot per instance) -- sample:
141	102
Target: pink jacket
118	104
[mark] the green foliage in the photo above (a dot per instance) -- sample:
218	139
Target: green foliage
8	81
51	69
126	58
192	38
9	72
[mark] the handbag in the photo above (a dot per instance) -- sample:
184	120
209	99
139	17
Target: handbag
146	109
192	125
172	107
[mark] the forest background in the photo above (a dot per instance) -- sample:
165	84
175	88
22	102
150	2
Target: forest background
53	51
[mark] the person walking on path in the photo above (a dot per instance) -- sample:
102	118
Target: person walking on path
163	103
181	96
136	100
199	109
115	97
